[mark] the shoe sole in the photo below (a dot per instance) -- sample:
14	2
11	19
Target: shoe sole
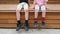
18	28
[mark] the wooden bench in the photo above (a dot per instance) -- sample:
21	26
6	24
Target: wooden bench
8	16
12	8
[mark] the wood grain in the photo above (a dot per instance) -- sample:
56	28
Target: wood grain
31	25
31	1
8	19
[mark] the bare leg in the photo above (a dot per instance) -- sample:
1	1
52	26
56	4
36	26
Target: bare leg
18	20
26	14
36	16
43	16
18	14
43	9
26	20
26	17
43	19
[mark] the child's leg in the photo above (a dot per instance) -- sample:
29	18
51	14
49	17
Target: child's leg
26	16
43	9
36	14
43	16
18	14
18	17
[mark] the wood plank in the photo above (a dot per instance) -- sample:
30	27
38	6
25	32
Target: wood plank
49	1
12	21
31	15
52	25
7	25
8	19
3	15
30	10
47	21
12	16
17	1
31	25
8	1
4	21
32	21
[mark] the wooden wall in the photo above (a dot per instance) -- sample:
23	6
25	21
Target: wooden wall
8	19
17	1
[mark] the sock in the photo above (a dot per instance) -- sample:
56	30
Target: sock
35	19
26	22
43	19
18	22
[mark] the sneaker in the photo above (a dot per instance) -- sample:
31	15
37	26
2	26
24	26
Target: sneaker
35	24
42	24
26	26
18	27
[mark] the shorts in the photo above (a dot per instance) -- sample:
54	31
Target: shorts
42	8
22	5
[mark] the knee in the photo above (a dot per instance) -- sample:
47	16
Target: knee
17	10
36	10
43	10
26	10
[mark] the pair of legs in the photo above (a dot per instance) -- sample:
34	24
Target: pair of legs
19	7
43	9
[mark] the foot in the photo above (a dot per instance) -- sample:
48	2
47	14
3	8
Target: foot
35	24
18	27
42	24
26	25
26	28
